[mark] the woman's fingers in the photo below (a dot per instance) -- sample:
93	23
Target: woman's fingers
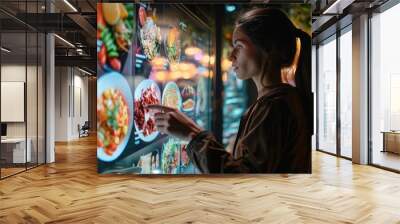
161	108
161	119
159	115
161	122
161	128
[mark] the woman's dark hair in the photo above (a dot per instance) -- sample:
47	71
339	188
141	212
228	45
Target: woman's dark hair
274	36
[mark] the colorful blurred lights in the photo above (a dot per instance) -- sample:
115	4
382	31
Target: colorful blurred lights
226	64
198	56
191	51
230	8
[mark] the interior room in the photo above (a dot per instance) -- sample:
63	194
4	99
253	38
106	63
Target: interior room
58	163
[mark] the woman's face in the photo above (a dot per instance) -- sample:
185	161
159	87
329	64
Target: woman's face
243	56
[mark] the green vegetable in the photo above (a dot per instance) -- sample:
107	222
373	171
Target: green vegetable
109	43
127	25
113	54
111	47
101	26
104	32
100	135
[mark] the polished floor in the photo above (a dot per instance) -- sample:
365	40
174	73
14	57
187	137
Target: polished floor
5	172
70	191
387	159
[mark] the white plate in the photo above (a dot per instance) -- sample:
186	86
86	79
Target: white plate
138	93
174	87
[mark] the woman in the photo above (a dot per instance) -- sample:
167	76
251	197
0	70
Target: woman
275	132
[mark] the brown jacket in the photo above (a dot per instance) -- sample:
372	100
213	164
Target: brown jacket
273	137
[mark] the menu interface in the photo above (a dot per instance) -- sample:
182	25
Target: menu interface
148	54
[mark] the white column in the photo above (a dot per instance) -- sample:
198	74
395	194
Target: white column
50	93
50	82
360	90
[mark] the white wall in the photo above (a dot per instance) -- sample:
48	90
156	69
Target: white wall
33	127
81	94
13	73
61	103
71	93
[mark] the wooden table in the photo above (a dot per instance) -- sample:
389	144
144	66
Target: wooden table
13	150
391	141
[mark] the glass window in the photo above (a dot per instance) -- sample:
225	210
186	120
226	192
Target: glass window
22	91
346	94
314	90
31	99
15	150
235	90
385	88
327	95
41	100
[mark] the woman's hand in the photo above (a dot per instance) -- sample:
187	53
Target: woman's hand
173	122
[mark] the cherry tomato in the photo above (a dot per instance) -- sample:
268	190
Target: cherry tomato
115	64
100	19
99	143
102	55
112	146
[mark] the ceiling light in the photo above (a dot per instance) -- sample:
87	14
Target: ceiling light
70	5
337	7
331	7
84	71
65	41
5	50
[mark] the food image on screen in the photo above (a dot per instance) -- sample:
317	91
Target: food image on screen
173	45
142	16
115	28
112	120
147	93
184	156
145	164
150	37
171	96
188	94
201	96
170	156
188	105
148	98
155	162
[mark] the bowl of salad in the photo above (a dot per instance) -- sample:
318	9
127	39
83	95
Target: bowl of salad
115	30
172	43
114	116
